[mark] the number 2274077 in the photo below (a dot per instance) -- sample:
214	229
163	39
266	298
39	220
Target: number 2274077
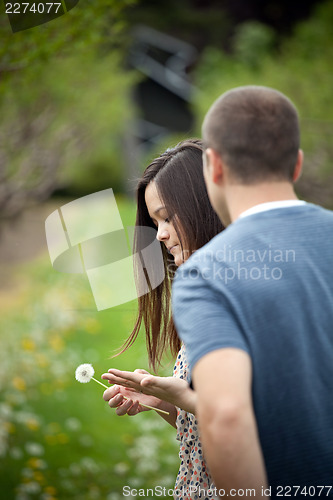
35	8
306	491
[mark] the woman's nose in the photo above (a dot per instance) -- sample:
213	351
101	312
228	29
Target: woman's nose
162	234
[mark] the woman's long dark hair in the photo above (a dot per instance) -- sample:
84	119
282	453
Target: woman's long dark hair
178	175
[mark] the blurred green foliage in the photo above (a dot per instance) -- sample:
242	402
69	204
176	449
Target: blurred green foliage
65	101
252	41
90	25
301	67
58	438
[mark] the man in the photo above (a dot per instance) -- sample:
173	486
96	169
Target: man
254	307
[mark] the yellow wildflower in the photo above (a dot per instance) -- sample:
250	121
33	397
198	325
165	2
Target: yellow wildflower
57	343
50	439
63	438
42	360
32	424
39	477
28	345
19	383
50	490
10	427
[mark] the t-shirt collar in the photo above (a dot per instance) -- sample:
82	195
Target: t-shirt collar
271	205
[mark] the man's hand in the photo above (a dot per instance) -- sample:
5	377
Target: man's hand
171	389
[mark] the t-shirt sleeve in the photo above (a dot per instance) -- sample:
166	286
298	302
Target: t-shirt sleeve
206	317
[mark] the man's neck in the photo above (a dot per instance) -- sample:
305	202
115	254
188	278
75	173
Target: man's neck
240	198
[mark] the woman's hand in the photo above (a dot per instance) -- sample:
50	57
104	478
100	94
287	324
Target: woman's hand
171	389
116	395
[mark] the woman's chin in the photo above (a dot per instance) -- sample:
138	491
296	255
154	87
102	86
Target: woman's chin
178	260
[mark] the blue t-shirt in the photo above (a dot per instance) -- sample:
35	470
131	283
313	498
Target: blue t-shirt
265	285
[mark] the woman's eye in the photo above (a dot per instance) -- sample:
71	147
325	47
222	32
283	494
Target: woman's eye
167	219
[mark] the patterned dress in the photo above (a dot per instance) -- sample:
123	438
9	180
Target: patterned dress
193	479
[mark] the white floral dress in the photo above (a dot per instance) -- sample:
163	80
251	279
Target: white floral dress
193	480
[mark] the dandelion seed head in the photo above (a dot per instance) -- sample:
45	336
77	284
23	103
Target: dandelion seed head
84	373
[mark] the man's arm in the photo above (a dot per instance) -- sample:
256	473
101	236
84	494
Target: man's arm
222	380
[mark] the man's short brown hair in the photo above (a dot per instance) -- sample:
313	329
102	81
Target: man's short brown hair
256	132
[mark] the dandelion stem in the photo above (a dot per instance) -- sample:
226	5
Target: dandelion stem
146	406
100	383
153	408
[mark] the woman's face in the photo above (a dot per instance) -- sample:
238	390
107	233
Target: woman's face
166	232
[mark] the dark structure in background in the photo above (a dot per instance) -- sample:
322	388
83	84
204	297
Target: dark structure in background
212	22
163	95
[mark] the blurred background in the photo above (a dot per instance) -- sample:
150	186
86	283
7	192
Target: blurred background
86	101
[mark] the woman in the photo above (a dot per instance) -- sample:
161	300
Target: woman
172	197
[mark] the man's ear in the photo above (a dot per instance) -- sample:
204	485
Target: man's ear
298	166
214	166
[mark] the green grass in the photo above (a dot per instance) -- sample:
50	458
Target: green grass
58	438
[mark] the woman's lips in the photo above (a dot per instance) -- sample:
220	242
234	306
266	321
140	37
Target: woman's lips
172	248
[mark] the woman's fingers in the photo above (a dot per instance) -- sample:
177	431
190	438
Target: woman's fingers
134	409
131	388
128	407
111	392
116	401
124	407
123	403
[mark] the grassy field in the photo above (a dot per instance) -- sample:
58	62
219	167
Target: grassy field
58	438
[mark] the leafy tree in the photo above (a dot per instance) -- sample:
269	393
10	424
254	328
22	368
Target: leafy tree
94	25
300	68
64	96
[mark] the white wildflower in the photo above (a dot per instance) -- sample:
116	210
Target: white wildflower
32	487
75	469
86	441
27	472
5	410
84	373
16	453
89	465
68	485
3	449
121	468
135	482
73	424
22	496
34	449
113	496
